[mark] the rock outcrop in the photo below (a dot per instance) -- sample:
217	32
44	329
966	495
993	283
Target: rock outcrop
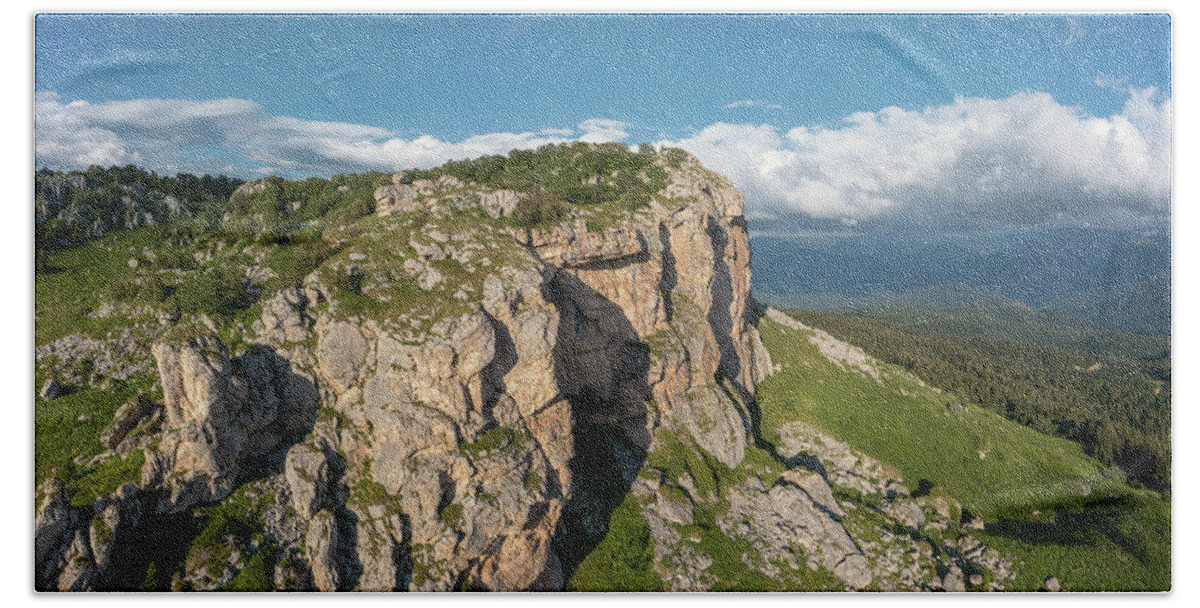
453	401
217	419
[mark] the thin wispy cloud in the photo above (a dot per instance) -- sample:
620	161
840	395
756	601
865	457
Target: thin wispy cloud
750	103
976	161
1108	81
202	136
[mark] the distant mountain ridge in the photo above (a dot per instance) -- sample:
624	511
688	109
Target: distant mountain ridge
1117	279
961	310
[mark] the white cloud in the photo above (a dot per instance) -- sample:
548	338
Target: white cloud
976	161
1108	81
198	136
1017	160
599	130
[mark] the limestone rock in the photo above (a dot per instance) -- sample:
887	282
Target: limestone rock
816	487
906	512
322	542
784	514
717	427
103	534
307	472
604	333
500	203
572	244
50	390
126	419
77	573
375	546
429	278
52	532
341	354
396	198
215	419
284	316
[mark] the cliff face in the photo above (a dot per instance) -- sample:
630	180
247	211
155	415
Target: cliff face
471	422
455	401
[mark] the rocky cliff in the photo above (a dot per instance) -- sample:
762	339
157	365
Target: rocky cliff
454	400
70	208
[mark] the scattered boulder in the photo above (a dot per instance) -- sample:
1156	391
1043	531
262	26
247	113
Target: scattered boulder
953	582
51	390
126	419
396	198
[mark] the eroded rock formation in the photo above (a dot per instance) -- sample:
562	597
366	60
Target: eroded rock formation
484	446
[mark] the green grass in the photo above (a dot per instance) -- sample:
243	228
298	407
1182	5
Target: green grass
1121	544
925	434
258	575
240	517
624	560
367	492
497	437
60	436
78	279
1029	488
451	514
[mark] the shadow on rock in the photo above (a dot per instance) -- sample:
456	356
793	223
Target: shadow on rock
601	371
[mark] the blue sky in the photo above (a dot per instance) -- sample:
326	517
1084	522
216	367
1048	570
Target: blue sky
456	76
776	101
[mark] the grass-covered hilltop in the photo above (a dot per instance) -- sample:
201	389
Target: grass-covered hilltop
541	371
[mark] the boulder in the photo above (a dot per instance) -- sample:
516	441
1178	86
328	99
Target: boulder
126	419
396	198
952	582
341	355
50	390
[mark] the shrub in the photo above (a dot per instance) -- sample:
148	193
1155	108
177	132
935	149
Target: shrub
348	280
539	209
451	514
215	290
533	481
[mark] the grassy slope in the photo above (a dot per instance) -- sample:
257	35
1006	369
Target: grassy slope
77	281
1115	538
70	426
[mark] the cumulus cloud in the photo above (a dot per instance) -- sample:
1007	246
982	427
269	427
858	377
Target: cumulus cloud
599	130
1024	159
219	135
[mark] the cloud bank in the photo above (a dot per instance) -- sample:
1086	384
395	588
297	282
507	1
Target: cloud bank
976	162
239	136
1025	159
